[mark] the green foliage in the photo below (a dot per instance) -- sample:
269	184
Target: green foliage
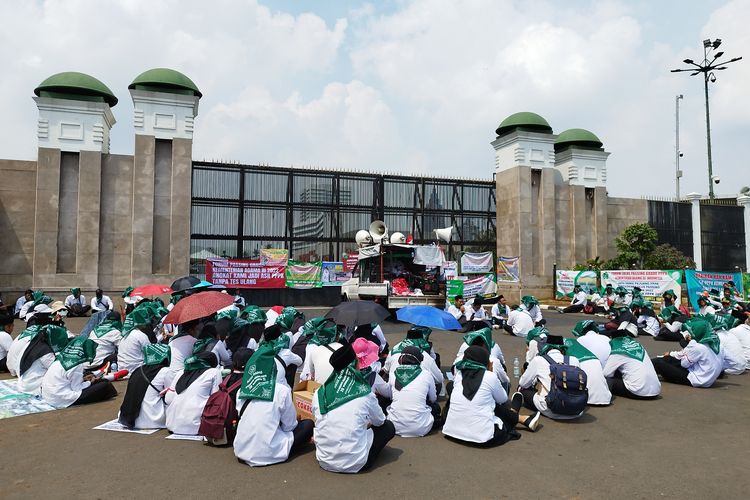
668	257
635	243
595	264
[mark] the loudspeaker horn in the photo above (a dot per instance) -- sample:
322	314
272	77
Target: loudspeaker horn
363	238
378	231
398	237
444	234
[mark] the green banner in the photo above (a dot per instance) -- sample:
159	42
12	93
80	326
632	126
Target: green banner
453	288
303	274
746	285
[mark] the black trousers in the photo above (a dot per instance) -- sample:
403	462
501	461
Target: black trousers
4	364
671	370
381	435
528	398
617	387
436	415
289	374
508	328
573	308
78	310
302	434
666	334
500	436
100	391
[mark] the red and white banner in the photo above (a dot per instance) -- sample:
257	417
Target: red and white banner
244	273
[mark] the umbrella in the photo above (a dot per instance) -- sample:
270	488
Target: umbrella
151	289
358	312
428	316
184	283
197	306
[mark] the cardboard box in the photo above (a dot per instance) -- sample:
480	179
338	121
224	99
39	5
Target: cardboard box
303	395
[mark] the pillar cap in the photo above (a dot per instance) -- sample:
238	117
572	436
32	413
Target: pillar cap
743	199
693	196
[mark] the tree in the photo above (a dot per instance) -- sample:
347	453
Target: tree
635	243
666	256
595	264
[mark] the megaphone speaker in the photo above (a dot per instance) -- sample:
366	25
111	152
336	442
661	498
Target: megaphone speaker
378	230
444	234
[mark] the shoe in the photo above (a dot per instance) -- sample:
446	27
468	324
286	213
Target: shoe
516	401
532	422
116	375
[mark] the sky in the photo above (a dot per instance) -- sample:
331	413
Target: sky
404	86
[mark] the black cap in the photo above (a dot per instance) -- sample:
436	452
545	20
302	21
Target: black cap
555	339
272	332
342	357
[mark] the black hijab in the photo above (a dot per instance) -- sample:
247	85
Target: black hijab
477	359
136	391
189	376
411	355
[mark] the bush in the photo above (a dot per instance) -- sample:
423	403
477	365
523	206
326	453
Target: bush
668	257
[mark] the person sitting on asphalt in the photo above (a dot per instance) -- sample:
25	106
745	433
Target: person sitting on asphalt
732	355
65	384
531	305
137	333
22	300
622	298
671	320
483	338
323	341
704	306
535	383
368	362
596	383
6	329
646	320
188	392
414	410
519	322
416	336
41	344
350	427
101	302
742	332
268	430
457	309
499	313
476	316
587	334
577	303
76	303
143	405
699	364
286	360
107	335
629	370
477	414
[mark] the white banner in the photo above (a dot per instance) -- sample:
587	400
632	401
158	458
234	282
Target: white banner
367	252
653	283
484	286
476	263
566	280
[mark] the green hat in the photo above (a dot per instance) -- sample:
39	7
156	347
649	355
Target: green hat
127	292
702	332
584	326
536	333
79	350
620	290
529	301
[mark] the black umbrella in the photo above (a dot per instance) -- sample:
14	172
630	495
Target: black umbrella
358	312
184	283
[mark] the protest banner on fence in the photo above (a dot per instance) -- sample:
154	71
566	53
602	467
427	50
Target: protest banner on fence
507	270
333	274
476	263
303	274
450	269
274	256
566	280
350	262
453	288
698	281
653	283
483	286
244	273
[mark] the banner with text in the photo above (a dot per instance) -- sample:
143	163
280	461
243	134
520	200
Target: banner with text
303	274
350	262
483	286
450	268
507	270
566	280
476	263
333	274
699	281
653	283
274	256
244	273
746	285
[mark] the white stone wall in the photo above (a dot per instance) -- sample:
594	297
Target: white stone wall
73	126
523	148
163	115
583	167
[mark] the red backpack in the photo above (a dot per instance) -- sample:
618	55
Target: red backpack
219	417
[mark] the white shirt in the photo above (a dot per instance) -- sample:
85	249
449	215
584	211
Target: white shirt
674	326
454	311
474	420
31	380
408	411
705	310
428	364
25	309
19	304
71	300
497	308
732	355
222	354
596	383
289	359
130	350
475	314
60	387
15	352
317	364
703	364
496	358
184	410
598	345
521	322
103	304
538	372
264	433
649	324
579	299
342	437
639	377
153	410
105	345
378	332
742	332
5	342
535	313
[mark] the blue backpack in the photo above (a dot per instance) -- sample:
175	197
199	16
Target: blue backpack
568	393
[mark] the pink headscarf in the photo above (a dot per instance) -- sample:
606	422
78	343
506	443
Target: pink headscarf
367	352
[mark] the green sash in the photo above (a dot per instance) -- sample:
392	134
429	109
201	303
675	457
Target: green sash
420	344
405	374
259	379
342	387
484	333
79	350
575	349
107	326
627	346
155	354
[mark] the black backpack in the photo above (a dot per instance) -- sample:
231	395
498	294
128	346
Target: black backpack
568	393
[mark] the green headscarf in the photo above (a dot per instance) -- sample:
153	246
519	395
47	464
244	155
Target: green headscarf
721	322
286	318
584	326
195	362
143	314
40	298
201	344
485	334
127	292
605	288
259	379
323	331
107	326
626	346
75	290
468	364
575	349
230	313
420	344
536	333
79	350
700	330
667	312
341	387
637	302
254	314
56	336
155	354
547	347
621	290
529	301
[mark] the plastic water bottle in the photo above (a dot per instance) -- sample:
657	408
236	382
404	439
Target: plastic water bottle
113	367
516	368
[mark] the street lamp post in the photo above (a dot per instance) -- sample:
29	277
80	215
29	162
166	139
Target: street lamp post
677	154
708	68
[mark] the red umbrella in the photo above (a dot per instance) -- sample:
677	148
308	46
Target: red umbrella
197	306
151	289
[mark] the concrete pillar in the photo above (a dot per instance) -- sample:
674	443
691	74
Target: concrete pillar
744	201
696	216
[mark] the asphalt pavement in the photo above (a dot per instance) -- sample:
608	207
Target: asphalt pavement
690	443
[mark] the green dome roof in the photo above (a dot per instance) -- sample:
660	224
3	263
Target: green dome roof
577	137
71	83
525	120
165	80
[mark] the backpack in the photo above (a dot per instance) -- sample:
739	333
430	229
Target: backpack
568	394
219	418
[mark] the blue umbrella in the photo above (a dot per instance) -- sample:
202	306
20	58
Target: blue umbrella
428	316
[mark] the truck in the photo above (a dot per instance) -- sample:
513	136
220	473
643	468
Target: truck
389	274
